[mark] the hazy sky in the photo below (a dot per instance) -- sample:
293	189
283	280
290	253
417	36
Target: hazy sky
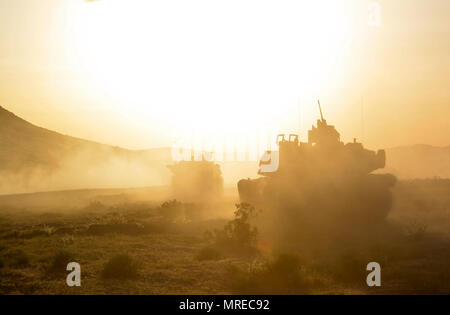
134	73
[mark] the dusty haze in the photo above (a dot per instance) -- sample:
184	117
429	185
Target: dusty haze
61	68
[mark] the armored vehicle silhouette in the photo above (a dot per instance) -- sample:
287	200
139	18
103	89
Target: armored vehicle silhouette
196	181
323	175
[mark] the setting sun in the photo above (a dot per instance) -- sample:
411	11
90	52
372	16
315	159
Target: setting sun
232	67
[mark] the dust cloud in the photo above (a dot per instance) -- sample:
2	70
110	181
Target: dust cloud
85	169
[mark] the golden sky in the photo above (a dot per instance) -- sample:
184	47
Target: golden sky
135	73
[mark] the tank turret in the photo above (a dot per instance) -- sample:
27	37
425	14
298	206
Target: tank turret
323	134
325	153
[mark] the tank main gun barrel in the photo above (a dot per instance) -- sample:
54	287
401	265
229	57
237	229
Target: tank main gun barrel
320	109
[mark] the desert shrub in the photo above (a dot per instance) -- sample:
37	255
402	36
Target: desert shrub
17	259
171	210
121	266
238	234
27	234
281	275
208	253
119	228
59	262
114	217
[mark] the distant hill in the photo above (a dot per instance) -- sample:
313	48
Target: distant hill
24	145
35	159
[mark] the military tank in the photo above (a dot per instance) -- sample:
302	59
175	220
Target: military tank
196	181
324	176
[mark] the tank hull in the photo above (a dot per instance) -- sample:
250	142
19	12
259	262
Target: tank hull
367	197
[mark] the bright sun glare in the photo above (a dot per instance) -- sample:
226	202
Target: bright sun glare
215	67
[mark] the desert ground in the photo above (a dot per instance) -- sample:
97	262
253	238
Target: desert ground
135	241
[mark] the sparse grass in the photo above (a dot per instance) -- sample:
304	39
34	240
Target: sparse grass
193	212
17	258
26	234
59	262
121	267
282	275
168	255
349	268
118	228
208	253
167	265
171	210
67	239
48	230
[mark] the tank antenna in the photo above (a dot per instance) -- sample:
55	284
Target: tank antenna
320	109
300	116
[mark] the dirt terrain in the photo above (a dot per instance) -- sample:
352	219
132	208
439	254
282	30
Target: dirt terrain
171	248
